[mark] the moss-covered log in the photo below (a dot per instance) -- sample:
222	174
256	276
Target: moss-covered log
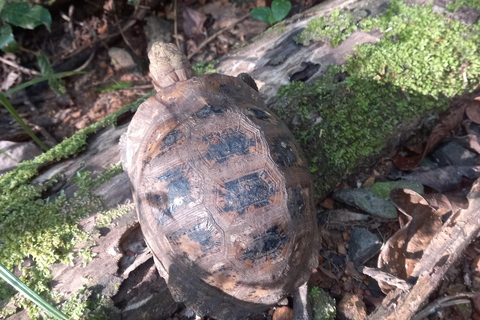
409	63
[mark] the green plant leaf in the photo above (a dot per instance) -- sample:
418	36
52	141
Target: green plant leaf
21	15
7	41
271	19
56	84
6	103
280	9
11	279
2	4
261	13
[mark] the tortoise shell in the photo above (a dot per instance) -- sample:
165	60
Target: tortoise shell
223	196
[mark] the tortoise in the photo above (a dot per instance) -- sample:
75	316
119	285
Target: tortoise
223	196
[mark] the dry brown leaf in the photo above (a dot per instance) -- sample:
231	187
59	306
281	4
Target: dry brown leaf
469	141
223	14
9	80
448	121
419	223
447	202
473	111
193	24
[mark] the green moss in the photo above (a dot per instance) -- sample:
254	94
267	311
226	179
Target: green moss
454	5
279	27
44	229
334	28
105	218
422	59
204	67
86	304
383	189
420	51
323	305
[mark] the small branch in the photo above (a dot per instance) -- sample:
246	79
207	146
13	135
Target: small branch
120	29
386	277
22	69
175	27
460	298
216	34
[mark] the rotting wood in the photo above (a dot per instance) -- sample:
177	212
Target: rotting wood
444	249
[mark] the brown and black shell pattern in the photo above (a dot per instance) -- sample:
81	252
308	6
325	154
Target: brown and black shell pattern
223	196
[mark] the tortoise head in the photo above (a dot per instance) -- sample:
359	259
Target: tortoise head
168	65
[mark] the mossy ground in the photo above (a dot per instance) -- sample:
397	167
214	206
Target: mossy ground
45	229
422	60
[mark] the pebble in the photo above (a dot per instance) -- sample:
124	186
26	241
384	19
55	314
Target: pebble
352	307
328	203
189	313
363	245
283	313
283	302
121	58
364	199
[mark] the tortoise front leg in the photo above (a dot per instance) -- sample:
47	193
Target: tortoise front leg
301	306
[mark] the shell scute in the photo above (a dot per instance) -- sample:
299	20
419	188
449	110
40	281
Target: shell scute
224	197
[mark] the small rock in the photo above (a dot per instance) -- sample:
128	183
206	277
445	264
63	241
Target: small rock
283	313
363	245
283	302
189	313
17	152
327	203
351	307
364	199
466	15
121	59
323	305
452	153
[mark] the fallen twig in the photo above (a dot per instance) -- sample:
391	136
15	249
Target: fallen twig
216	34
460	298
386	277
175	24
22	69
442	252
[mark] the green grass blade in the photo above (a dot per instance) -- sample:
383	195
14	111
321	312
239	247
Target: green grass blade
11	279
37	80
7	155
6	103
